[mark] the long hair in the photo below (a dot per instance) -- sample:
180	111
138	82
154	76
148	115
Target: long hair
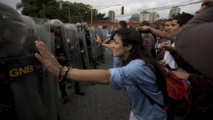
131	36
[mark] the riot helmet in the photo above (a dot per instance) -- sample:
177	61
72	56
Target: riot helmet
70	29
30	24
12	28
71	32
30	40
100	27
79	26
12	31
56	25
85	25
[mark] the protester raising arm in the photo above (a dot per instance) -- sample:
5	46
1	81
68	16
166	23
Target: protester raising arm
104	44
158	32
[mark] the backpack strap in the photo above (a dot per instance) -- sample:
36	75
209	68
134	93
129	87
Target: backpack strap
150	99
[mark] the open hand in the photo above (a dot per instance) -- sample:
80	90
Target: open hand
47	58
98	40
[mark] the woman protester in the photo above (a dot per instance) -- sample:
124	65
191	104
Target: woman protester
140	75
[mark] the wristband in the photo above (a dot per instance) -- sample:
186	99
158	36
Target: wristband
63	71
100	44
59	74
66	72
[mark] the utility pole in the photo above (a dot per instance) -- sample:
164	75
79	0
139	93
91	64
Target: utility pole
69	13
61	7
91	17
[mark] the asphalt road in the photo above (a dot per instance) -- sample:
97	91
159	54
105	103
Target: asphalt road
99	103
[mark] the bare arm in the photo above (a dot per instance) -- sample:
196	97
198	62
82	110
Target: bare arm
50	62
89	76
104	44
109	46
107	40
158	33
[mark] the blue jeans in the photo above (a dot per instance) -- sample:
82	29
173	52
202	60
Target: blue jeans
117	62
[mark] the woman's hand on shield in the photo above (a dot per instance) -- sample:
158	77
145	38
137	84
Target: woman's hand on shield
47	58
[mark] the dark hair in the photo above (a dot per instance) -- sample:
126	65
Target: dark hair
145	23
123	23
183	18
169	20
131	36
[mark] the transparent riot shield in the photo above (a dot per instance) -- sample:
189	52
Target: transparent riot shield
27	90
104	32
83	48
72	41
100	50
93	46
104	36
44	34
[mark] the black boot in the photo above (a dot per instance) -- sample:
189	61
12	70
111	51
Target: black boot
80	92
77	89
63	92
64	99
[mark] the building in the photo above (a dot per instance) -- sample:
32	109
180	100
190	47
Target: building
147	16
174	11
111	15
154	16
144	16
135	18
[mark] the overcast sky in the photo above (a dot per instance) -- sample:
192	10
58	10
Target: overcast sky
130	6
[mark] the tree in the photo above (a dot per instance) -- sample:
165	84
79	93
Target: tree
75	12
40	8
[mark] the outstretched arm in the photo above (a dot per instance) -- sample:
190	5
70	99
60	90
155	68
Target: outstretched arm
104	44
158	32
50	62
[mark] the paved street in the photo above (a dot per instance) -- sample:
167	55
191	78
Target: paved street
99	103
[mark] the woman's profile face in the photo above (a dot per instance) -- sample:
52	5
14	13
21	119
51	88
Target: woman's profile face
118	48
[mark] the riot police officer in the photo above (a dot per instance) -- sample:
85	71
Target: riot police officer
22	95
12	36
74	50
57	28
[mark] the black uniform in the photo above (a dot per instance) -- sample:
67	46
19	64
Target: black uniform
60	51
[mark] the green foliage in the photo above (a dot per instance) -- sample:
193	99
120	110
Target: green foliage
50	9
